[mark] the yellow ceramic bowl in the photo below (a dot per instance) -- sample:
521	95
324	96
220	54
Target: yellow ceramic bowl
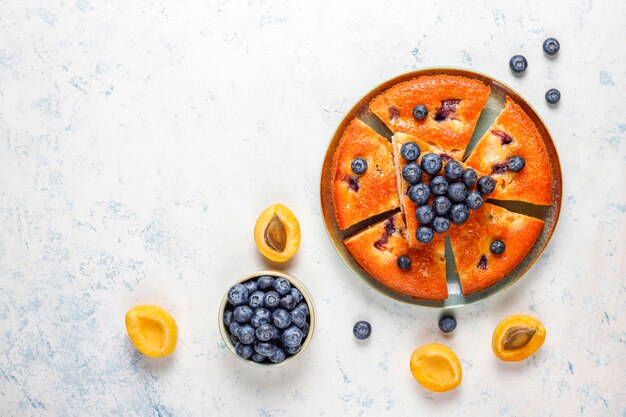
294	282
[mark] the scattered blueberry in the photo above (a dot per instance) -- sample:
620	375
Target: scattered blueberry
292	337
293	350
439	185
272	299
420	112
266	332
257	357
469	177
282	286
404	262
243	314
238	295
279	356
553	96
516	163
362	330
256	299
281	318
518	64
234	328
359	166
447	324
288	302
304	307
474	200
453	170
497	247
260	317
551	46
410	151
412	173
457	192
486	185
424	214
228	317
297	317
441	224
424	234
265	282
441	205
251	285
459	213
243	350
431	163
246	334
419	193
265	348
296	294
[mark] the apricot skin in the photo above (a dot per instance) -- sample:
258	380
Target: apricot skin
436	367
291	228
518	321
152	330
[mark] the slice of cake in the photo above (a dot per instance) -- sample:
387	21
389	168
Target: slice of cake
513	136
453	104
377	248
364	179
491	244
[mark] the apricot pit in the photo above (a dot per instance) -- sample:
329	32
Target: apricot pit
518	337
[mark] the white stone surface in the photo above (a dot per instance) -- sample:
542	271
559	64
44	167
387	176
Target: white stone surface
140	140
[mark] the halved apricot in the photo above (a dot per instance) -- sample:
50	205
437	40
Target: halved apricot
517	337
436	367
152	330
277	233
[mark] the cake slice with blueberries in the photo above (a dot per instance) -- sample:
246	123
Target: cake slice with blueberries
513	152
383	252
435	190
441	110
364	177
491	244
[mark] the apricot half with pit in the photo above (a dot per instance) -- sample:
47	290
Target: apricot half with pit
436	367
277	233
152	330
517	337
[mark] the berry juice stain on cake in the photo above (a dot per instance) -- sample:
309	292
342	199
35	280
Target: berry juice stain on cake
446	109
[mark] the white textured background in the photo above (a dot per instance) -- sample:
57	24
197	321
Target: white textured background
139	140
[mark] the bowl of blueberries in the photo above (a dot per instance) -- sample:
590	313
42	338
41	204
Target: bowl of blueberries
267	318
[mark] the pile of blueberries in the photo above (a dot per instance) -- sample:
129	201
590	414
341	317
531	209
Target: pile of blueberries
268	319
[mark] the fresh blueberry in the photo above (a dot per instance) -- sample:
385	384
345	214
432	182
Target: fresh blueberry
447	324
292	337
238	295
282	286
457	192
281	318
304	307
265	348
305	329
441	205
243	350
486	185
419	193
234	328
279	356
431	163
474	200
420	112
551	46
362	330
424	214
410	151
518	64
359	166
453	170
424	234
469	177
553	96
293	350
228	317
439	185
288	302
296	294
251	285
516	163
234	340
258	358
261	316
298	317
412	173
243	314
459	213
266	332
265	282
404	262
441	224
272	299
256	299
246	334
497	247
